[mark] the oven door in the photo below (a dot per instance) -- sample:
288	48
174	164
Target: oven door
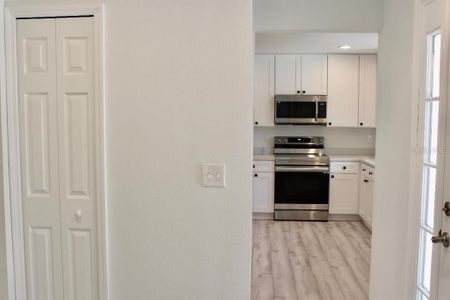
302	187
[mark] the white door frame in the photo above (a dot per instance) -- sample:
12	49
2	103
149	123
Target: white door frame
414	209
10	144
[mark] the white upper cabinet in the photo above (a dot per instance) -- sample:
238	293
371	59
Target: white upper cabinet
264	86
343	90
301	74
287	74
367	90
314	74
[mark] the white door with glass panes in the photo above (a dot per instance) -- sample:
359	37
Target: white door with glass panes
433	254
57	132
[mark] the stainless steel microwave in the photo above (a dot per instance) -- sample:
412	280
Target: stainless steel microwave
300	110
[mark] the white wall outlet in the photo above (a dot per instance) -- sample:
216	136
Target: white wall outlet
213	175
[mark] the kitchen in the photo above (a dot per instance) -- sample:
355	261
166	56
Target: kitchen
314	160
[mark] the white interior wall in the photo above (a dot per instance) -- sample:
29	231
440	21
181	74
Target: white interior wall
3	268
394	149
3	265
318	15
178	93
315	42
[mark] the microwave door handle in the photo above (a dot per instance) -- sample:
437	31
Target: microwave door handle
317	110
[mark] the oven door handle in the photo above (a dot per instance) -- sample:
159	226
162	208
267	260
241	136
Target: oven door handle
303	169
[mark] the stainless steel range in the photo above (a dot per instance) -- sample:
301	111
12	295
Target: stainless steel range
302	177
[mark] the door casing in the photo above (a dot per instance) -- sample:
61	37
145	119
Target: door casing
10	143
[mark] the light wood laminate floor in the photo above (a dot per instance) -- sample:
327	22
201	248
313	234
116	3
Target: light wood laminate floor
310	260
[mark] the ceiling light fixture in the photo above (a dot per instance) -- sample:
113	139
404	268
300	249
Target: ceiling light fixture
344	47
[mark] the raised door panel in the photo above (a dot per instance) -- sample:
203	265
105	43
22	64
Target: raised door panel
343	193
264	90
76	93
286	74
40	263
263	192
81	265
314	74
343	85
38	137
367	90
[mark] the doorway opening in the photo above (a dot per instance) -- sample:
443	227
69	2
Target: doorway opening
314	160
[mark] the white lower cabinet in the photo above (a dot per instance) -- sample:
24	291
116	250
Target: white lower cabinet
344	187
366	194
263	187
343	193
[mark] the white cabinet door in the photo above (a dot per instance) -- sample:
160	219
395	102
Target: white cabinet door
287	74
263	192
264	86
314	75
366	200
367	90
38	126
370	201
76	108
343	193
343	84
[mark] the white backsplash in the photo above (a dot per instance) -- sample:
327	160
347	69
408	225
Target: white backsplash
337	140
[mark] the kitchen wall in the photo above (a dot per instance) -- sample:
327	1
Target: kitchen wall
389	278
178	93
315	42
337	140
319	15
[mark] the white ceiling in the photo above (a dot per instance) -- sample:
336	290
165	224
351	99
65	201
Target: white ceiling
315	42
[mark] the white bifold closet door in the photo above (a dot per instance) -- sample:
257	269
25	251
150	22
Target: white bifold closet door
56	94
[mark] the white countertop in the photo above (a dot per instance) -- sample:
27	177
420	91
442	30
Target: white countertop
370	160
264	157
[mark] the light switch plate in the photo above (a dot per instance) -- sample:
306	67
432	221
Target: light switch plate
213	175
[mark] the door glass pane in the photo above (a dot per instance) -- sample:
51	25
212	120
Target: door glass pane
421	296
426	253
431	131
428	196
435	65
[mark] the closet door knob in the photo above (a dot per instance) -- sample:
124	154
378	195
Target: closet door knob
78	215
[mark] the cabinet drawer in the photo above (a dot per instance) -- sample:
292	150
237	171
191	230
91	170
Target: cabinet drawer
263	166
344	167
367	171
